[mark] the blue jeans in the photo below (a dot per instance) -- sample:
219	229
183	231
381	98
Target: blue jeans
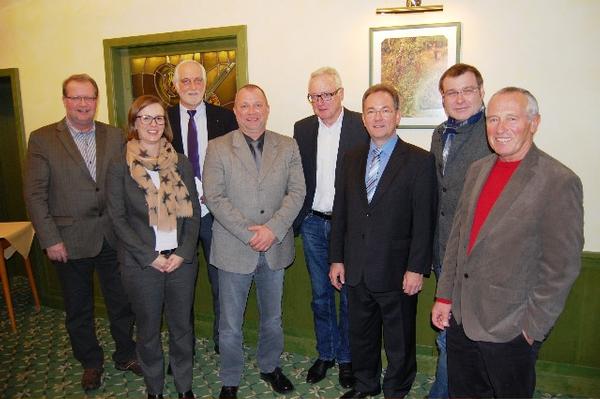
233	296
331	333
439	388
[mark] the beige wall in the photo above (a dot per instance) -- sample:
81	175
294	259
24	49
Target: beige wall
549	47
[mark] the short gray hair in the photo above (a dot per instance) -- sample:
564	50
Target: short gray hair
176	72
532	104
328	71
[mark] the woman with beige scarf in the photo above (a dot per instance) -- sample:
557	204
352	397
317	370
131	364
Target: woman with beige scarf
154	207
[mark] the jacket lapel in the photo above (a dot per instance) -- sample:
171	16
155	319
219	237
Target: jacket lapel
242	152
508	197
64	135
269	154
101	161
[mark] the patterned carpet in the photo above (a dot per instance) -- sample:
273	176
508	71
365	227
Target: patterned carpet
37	363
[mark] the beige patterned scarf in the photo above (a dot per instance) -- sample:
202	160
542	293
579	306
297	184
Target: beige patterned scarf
172	199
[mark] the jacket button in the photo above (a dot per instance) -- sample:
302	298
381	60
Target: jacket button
442	213
368	214
466	275
444	189
262	211
362	236
97	189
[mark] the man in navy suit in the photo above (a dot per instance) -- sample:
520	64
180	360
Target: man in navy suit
323	138
381	245
205	122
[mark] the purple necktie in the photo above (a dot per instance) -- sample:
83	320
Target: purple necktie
192	144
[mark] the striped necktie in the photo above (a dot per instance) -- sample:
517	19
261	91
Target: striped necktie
373	175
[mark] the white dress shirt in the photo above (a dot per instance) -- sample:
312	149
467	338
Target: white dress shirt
328	142
164	239
201	128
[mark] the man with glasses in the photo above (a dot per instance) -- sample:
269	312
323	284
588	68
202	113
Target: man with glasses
456	143
381	244
66	200
323	138
194	122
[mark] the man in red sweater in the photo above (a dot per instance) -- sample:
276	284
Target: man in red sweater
512	256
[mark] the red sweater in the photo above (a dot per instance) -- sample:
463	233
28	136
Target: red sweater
495	183
498	178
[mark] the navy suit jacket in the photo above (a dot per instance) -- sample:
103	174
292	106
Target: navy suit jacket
219	121
305	132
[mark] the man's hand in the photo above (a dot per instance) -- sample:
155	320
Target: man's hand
57	252
527	338
337	275
262	239
412	283
173	263
160	263
440	315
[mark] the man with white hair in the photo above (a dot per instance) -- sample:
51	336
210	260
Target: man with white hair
513	253
323	139
194	122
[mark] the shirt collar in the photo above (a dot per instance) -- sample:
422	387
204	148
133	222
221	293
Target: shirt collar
388	147
200	109
336	125
74	131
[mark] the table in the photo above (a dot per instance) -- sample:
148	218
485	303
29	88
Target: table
16	237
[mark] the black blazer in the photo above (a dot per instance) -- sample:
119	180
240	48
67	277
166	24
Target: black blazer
378	242
219	121
353	133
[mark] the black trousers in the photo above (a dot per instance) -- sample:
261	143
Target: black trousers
479	369
76	277
392	313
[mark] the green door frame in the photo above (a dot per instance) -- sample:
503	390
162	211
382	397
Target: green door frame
13	74
118	51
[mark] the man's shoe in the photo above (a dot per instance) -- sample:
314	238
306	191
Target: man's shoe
131	365
318	371
346	377
91	379
358	394
228	393
188	395
278	381
159	396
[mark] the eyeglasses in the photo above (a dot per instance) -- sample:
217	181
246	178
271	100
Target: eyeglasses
187	82
313	98
385	112
78	99
147	119
465	91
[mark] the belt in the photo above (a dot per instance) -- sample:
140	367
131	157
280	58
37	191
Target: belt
167	252
326	216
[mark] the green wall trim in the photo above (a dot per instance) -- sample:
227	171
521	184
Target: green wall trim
116	50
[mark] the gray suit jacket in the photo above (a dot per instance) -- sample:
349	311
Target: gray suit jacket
469	145
526	256
128	211
64	203
239	196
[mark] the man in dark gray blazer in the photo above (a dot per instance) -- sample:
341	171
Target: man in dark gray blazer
323	139
456	143
513	253
254	187
66	200
195	119
381	244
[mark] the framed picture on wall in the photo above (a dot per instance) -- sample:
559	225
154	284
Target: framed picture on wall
412	59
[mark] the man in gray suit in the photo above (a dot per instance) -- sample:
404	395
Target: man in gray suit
254	187
66	200
456	143
513	253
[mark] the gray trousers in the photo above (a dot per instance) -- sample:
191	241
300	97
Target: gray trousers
233	295
149	292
